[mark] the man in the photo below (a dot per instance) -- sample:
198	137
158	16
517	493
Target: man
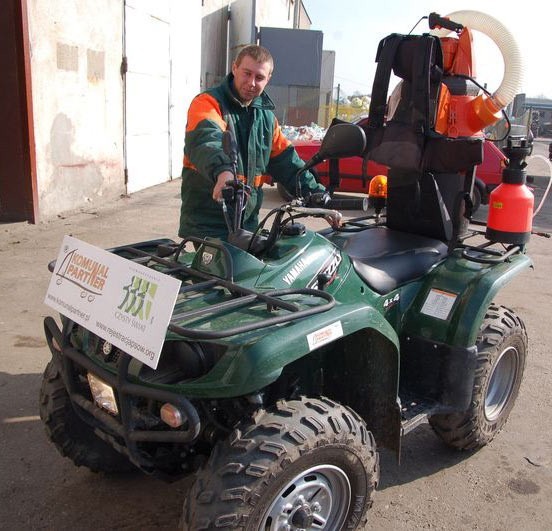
239	104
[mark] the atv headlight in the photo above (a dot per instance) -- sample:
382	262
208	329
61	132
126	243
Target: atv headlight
193	359
103	394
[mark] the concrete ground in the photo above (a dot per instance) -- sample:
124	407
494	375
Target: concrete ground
507	485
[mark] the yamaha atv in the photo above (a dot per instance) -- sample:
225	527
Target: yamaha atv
291	355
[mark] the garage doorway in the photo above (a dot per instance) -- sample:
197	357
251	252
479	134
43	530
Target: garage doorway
18	197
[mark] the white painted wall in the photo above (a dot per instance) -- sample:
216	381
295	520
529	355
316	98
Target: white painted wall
275	13
76	50
76	54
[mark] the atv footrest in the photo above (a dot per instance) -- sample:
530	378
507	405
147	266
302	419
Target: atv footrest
415	411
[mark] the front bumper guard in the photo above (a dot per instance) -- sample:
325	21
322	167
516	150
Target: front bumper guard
123	426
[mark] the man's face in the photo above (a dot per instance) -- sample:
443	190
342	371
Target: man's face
250	78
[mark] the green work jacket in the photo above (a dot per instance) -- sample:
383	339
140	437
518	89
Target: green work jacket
264	154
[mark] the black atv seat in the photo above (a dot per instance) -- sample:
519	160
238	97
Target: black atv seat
387	258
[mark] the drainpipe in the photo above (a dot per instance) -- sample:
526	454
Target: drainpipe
124	69
227	64
254	33
296	14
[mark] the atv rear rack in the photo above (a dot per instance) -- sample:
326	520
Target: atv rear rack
487	252
312	301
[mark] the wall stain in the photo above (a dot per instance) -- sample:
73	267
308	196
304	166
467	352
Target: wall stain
75	180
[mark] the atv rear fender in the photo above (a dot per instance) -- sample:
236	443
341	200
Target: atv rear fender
470	287
438	352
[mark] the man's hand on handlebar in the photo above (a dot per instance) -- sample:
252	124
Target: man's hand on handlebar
334	218
319	205
318	200
222	179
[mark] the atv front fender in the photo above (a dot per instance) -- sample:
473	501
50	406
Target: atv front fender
256	359
470	287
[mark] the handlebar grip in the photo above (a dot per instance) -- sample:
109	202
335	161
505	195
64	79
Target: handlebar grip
229	146
349	203
436	20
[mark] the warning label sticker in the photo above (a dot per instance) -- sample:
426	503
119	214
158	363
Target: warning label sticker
438	304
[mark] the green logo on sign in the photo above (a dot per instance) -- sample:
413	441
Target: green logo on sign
138	298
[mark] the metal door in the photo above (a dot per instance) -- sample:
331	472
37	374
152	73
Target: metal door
147	89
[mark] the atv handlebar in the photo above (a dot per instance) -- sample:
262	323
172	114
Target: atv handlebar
325	200
333	217
349	203
437	21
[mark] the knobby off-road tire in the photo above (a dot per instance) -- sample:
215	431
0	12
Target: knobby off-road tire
72	436
477	198
308	464
502	348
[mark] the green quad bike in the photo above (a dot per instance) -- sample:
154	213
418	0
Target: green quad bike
291	354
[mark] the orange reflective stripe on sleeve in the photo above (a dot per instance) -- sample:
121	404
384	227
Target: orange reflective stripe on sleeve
262	179
279	141
188	163
204	107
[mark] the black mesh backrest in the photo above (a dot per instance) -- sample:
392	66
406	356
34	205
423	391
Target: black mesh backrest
418	61
425	179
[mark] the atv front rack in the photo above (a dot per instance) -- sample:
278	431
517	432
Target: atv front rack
289	304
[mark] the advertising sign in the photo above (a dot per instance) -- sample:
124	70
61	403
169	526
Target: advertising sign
125	303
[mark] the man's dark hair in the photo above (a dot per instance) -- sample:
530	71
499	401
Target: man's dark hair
256	52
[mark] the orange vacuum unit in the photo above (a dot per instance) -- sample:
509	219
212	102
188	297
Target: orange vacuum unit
462	115
511	202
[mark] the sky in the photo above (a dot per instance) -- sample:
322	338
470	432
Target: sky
353	29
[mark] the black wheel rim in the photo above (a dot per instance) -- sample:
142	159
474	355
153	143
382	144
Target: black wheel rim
501	383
